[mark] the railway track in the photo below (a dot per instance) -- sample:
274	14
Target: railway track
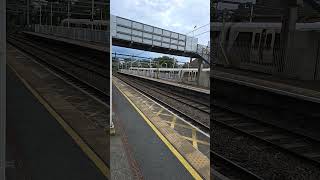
230	169
161	94
96	61
74	71
298	145
86	62
197	113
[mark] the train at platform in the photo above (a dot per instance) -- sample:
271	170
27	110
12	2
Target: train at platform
258	44
185	75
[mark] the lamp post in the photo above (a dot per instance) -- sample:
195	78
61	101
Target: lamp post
251	12
51	14
68	13
92	11
40	14
28	13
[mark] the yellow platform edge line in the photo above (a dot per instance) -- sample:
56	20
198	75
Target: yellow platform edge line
84	147
183	161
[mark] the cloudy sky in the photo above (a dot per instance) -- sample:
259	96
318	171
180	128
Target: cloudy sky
176	15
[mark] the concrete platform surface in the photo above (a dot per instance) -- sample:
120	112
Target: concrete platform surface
154	159
46	151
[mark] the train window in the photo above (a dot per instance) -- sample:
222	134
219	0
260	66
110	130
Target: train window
263	39
256	41
228	34
277	40
244	38
268	41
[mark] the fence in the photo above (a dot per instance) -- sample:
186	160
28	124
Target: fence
204	52
81	34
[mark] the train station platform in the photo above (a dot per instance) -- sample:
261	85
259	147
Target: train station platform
86	44
56	130
180	85
161	145
303	90
40	147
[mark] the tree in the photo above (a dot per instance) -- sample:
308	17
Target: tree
165	59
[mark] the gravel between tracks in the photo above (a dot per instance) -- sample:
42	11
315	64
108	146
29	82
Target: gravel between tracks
259	158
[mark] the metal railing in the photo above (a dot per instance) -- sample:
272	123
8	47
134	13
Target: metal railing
204	52
270	60
80	34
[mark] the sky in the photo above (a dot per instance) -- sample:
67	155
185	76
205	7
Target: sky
175	15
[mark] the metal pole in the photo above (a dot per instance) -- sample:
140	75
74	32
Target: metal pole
28	13
40	14
251	13
2	89
101	14
92	9
68	13
51	15
194	28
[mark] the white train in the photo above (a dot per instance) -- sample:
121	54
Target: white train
256	43
252	32
184	75
85	23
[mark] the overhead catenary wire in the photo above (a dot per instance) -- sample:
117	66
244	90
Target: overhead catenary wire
198	28
201	33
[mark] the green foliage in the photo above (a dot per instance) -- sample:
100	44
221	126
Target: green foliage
163	60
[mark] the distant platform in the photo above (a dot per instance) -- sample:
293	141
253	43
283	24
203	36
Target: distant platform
91	45
193	88
304	90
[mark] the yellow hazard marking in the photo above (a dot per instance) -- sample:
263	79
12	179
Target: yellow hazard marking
151	106
174	119
84	147
178	124
175	152
159	112
198	141
194	138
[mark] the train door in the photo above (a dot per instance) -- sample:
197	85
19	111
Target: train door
267	50
255	44
262	47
